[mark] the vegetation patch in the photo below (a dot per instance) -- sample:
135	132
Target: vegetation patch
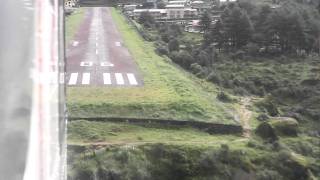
167	161
88	132
168	92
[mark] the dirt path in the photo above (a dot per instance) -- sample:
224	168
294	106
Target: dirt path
245	116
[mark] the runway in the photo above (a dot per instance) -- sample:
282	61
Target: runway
97	55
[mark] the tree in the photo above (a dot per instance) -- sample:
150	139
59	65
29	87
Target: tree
173	45
217	35
205	22
174	30
147	5
289	27
146	19
260	35
161	4
182	58
237	27
204	59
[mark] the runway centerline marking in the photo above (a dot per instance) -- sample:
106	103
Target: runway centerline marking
119	79
86	78
73	79
108	64
132	79
106	78
118	44
86	63
97	52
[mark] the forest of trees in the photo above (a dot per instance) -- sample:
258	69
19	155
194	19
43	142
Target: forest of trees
230	53
291	28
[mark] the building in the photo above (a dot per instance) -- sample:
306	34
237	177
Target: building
178	2
166	14
181	13
130	7
155	13
223	2
200	6
175	6
193	26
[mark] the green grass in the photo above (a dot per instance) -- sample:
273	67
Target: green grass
72	23
168	92
194	38
87	132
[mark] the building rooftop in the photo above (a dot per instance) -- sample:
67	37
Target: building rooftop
130	5
150	10
158	10
197	2
174	6
176	2
189	9
141	10
224	1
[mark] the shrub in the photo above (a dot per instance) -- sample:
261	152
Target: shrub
162	50
240	91
263	117
214	78
303	147
252	49
195	68
269	106
146	19
238	55
268	175
182	58
165	37
85	170
173	45
224	97
266	131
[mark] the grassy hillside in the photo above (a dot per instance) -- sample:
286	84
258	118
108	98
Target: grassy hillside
106	133
168	92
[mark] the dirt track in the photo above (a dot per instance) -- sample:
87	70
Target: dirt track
97	57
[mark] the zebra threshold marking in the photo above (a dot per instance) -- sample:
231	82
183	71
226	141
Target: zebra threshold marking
107	79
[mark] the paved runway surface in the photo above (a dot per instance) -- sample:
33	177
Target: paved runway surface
97	57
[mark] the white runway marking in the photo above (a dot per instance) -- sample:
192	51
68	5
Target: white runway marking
96	44
75	43
118	44
132	79
106	78
119	78
86	78
106	64
87	63
97	52
73	79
